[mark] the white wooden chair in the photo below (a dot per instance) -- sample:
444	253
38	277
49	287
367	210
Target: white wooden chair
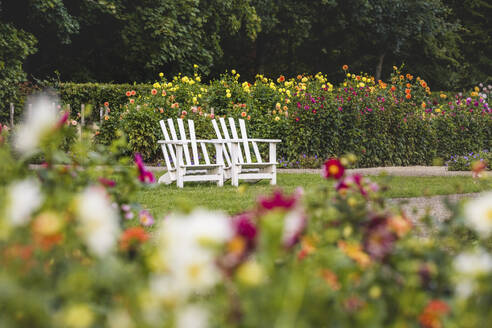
188	169
237	167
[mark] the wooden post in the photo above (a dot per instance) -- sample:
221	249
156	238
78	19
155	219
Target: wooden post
82	114
11	115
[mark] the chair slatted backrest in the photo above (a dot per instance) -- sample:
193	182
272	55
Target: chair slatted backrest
242	126
227	149
172	136
244	144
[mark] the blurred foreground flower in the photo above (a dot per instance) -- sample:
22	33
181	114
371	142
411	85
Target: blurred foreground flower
40	120
478	214
143	175
187	253
99	221
24	197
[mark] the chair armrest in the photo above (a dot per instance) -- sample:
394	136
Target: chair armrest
173	142
255	140
212	141
266	140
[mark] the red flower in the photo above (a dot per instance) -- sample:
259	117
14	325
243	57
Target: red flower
154	92
278	200
431	315
144	175
333	169
132	236
133	92
128	93
106	104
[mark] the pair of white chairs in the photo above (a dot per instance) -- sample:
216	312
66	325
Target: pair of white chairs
233	159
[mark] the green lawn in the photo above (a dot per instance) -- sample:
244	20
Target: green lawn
162	198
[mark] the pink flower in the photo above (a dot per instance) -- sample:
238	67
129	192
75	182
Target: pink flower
107	182
144	175
245	227
278	200
62	120
145	218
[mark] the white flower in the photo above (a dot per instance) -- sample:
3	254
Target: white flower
478	214
473	264
192	316
99	221
294	224
24	198
40	119
186	250
469	266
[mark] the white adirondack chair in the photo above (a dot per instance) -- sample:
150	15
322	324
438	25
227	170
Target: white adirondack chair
188	169
237	167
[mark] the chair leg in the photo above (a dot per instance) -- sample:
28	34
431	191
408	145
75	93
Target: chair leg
273	170
179	178
220	174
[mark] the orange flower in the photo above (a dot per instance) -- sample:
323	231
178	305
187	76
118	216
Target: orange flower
132	101
128	93
400	224
423	84
299	77
248	118
154	92
161	110
164	93
345	67
357	78
407	91
133	92
243	114
106	104
355	252
408	96
401	77
423	105
281	79
409	85
132	236
393	88
331	279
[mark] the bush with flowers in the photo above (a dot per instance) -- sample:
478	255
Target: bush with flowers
76	251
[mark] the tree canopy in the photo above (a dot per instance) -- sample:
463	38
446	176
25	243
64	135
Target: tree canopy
447	42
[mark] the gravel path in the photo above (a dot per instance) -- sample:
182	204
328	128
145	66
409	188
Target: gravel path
416	207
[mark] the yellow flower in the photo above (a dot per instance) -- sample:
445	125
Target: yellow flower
78	316
185	79
161	74
349	75
277	118
304	79
364	79
233	72
228	95
156	85
362	85
437	110
198	79
195	66
443	96
250	273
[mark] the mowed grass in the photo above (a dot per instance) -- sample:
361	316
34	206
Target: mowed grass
163	199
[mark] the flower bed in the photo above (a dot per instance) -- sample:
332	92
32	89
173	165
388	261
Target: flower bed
399	122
